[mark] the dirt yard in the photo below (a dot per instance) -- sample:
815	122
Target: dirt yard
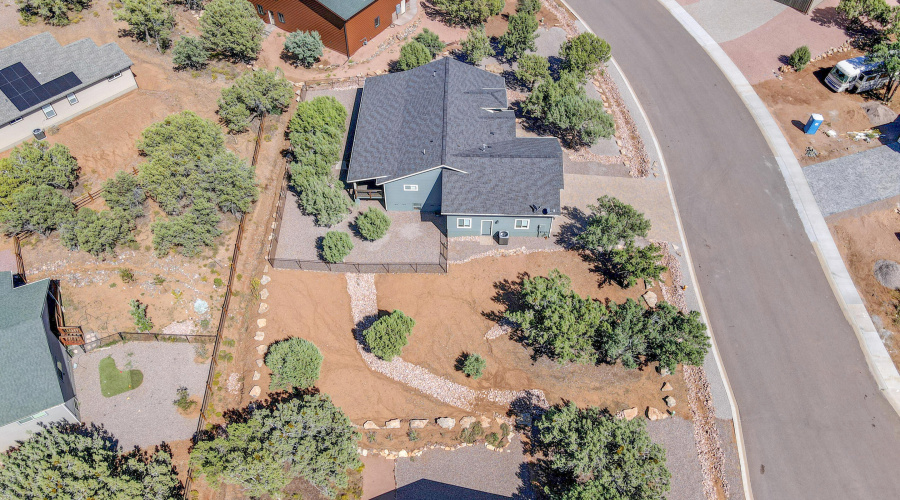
797	95
864	237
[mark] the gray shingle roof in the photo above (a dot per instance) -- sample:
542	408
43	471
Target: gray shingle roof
46	59
346	8
28	379
448	113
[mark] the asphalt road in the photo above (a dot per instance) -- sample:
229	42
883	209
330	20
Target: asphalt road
814	422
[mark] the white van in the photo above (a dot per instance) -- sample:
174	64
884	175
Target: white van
856	75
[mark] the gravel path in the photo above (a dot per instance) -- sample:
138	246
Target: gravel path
364	307
676	435
144	416
855	180
473	473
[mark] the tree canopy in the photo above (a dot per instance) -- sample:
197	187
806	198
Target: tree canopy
477	45
558	323
53	12
387	336
431	41
469	12
189	173
520	35
305	47
306	436
533	69
97	233
232	29
37	162
612	222
41	209
150	21
589	454
565	106
189	52
584	54
294	363
255	93
887	53
412	55
76	461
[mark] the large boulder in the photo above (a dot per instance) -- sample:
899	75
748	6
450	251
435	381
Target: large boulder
392	424
446	422
465	422
418	423
887	272
654	414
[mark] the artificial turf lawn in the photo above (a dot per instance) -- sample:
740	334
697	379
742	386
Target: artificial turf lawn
114	381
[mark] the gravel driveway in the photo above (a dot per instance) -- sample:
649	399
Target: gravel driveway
473	473
676	435
144	416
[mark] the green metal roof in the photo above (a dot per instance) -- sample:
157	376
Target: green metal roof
346	8
28	379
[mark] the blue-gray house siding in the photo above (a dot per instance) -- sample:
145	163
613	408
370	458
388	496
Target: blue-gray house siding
489	225
420	191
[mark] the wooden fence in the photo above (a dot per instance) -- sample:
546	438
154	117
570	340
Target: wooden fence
145	337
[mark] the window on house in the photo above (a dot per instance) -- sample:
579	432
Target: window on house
463	223
113	77
281	18
17	120
410	187
35	416
378	21
260	9
522	223
73	99
48	110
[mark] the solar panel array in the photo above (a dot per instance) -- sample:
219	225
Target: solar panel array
24	91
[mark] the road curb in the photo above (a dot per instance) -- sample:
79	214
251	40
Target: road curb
736	416
880	364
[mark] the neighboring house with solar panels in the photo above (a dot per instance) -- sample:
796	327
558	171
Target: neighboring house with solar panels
441	138
43	83
36	377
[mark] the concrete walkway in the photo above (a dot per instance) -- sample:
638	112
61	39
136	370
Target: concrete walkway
856	180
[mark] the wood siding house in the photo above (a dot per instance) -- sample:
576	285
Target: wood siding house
441	138
344	25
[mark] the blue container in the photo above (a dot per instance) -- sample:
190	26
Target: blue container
812	125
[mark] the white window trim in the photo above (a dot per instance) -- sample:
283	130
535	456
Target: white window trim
114	77
72	98
410	187
463	223
46	114
526	224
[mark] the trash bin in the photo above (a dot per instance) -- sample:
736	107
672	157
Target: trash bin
503	237
39	134
812	125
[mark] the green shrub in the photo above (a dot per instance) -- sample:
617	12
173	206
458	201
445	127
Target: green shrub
493	439
305	47
336	246
124	193
255	93
304	437
148	21
35	208
387	336
413	435
189	52
97	233
38	163
316	132
232	29
585	53
477	45
612	222
294	363
528	6
431	41
471	433
218	283
126	275
629	264
373	224
520	35
183	400
469	12
590	454
800	58
532	69
565	106
412	55
473	366
323	198
53	12
139	313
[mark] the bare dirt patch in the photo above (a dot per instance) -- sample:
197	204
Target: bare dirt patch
794	97
863	239
453	313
